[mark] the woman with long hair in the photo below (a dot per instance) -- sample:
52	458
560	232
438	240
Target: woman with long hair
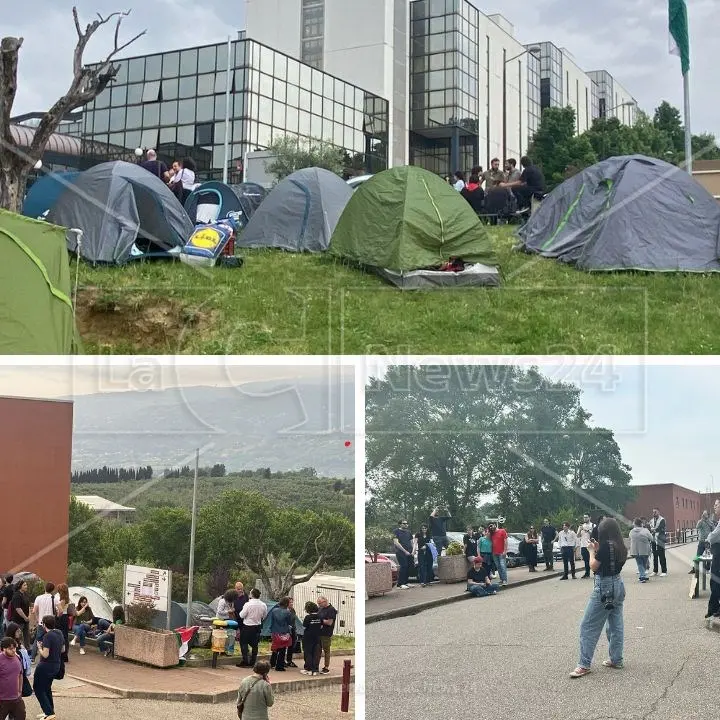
605	605
66	616
424	556
531	548
14	631
106	641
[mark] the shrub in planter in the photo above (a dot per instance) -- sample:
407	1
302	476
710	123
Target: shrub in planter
452	567
138	641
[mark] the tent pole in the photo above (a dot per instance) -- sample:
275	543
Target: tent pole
688	128
227	111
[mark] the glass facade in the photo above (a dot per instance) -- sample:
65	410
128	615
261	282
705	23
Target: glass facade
175	102
313	32
605	92
595	100
444	84
534	95
551	76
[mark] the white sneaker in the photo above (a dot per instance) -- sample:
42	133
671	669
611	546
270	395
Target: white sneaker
663	574
72	642
637	572
405	587
651	574
82	651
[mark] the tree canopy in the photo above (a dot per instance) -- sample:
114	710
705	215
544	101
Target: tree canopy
292	154
453	436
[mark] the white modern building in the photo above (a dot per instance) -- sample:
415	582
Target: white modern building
462	89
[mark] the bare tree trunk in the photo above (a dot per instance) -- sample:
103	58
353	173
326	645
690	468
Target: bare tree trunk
12	183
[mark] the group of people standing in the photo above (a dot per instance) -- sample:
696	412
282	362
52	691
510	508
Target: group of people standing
180	178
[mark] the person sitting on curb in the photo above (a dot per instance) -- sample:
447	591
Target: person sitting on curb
478	582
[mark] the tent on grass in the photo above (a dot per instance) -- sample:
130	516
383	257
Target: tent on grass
628	213
125	213
211	201
300	214
251	196
405	223
36	311
44	193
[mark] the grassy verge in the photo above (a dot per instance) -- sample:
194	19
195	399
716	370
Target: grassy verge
281	303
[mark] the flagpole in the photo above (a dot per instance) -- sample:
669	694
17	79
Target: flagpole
688	130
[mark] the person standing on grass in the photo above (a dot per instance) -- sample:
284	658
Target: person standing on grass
568	542
478	580
253	615
549	535
713	539
311	639
11	681
255	694
605	605
403	543
50	650
657	528
584	532
424	556
328	615
640	542
499	539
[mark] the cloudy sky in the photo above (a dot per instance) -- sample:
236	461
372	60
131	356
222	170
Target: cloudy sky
627	37
665	418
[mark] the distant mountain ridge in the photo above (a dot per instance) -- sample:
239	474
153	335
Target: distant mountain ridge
280	425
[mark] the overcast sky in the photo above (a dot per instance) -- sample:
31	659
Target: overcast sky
629	38
665	418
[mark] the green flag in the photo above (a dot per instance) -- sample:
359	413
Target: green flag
680	33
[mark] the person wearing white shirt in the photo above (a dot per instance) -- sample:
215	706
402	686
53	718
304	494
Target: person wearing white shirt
713	539
182	178
459	181
45	604
584	532
568	542
253	614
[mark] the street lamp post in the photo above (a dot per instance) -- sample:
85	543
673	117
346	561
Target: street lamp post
534	50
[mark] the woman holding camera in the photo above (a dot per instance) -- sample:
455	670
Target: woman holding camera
607	557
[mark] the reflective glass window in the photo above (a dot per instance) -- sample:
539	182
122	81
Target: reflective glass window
119	95
102	121
188	87
186	135
168	135
207	59
151	114
169	113
171	64
279	114
117	119
153	67
186	111
134	117
206	84
136	70
170	89
151	91
188	62
280	90
205	109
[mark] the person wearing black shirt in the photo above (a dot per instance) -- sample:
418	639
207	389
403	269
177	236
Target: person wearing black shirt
154	166
478	581
6	597
605	605
424	556
21	610
470	543
50	650
438	529
594	531
328	615
311	639
548	535
531	183
402	540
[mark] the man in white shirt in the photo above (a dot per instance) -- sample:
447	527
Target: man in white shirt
584	532
568	542
459	184
45	604
253	614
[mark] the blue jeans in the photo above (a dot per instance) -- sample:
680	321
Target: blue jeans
642	562
501	566
43	677
596	617
106	642
403	567
425	566
482	590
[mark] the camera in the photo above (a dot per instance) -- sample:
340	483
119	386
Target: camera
607	601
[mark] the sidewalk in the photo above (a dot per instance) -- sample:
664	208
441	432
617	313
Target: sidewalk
401	603
118	678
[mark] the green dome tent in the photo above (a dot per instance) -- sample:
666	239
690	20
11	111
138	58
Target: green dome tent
405	223
36	313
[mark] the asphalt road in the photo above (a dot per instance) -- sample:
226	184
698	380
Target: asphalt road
509	656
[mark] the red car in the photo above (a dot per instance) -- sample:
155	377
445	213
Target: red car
383	558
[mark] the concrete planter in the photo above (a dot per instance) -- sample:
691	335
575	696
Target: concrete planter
156	648
378	579
452	568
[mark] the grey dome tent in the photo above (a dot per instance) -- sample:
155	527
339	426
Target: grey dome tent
628	213
125	213
299	214
251	196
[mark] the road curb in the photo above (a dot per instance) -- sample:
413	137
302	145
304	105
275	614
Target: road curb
207	662
279	688
430	604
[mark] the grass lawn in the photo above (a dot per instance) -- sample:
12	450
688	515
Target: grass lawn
282	303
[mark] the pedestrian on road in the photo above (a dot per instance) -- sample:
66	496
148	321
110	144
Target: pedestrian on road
485	550
11	681
640	543
403	542
657	528
438	529
50	650
584	532
255	694
646	525
704	527
605	605
714	540
568	542
499	540
531	548
424	556
549	535
478	581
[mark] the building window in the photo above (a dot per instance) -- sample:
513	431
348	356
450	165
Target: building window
151	92
313	32
204	134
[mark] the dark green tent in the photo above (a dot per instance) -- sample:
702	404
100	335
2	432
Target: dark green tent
36	312
406	219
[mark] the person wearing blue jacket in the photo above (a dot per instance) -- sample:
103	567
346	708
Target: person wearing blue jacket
280	633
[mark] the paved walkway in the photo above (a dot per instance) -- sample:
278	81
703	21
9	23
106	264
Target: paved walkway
509	656
93	675
399	603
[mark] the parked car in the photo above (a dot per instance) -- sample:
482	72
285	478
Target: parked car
386	558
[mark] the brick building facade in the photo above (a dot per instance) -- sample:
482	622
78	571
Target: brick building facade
36	449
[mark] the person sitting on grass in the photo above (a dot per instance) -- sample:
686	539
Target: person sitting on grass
106	641
478	582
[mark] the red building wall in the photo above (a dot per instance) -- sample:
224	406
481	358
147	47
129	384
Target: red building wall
680	506
36	452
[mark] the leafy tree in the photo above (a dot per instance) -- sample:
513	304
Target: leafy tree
291	154
85	541
669	120
111	579
79	574
245	531
121	542
165	537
